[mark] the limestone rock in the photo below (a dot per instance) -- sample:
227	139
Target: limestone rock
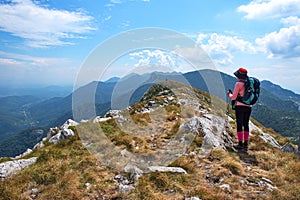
61	135
125	186
57	134
214	133
192	198
265	136
124	189
192	126
28	151
11	167
165	169
226	188
69	123
101	119
134	171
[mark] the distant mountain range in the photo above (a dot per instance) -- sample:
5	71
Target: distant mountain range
277	108
39	92
280	92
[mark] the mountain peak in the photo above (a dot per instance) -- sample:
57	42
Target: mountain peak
112	80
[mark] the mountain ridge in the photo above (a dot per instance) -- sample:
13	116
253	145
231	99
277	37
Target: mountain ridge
56	110
64	165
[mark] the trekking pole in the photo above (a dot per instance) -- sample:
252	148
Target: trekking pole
226	120
228	105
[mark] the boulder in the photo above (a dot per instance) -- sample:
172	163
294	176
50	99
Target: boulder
69	123
61	135
9	168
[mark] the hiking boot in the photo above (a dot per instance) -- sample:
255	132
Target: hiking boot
239	146
246	145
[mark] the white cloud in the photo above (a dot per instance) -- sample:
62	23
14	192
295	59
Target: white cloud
291	20
9	59
153	57
259	9
41	26
222	47
286	42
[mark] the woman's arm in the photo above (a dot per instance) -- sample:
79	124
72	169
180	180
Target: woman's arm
236	90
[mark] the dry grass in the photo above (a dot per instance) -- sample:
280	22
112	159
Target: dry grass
223	159
63	170
60	172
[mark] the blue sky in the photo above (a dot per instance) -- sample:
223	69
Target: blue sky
46	42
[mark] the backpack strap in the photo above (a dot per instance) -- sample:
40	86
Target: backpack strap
239	97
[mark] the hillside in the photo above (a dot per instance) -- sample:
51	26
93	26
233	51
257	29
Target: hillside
277	108
39	91
14	115
280	92
176	143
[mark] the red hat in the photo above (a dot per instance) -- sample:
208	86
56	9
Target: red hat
241	73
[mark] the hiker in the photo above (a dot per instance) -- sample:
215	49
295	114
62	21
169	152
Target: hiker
242	111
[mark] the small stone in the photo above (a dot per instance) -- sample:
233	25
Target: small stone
266	180
125	189
226	188
88	185
165	169
248	168
192	198
34	190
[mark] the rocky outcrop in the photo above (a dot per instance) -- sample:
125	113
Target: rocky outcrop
58	133
214	133
28	151
54	136
61	135
127	183
69	123
265	136
11	167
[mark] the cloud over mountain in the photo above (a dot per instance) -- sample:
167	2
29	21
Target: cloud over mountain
221	47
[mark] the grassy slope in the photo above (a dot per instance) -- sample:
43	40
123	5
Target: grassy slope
62	171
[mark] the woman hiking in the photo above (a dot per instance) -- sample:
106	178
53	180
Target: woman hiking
242	111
